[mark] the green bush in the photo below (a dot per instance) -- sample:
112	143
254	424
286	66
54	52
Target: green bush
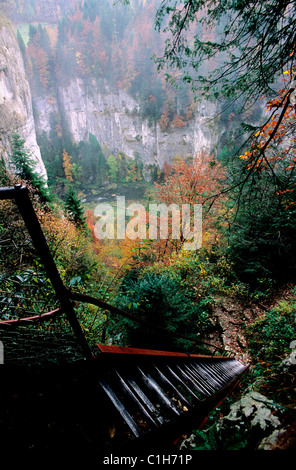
269	336
160	299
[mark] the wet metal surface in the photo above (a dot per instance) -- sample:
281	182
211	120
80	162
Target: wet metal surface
153	391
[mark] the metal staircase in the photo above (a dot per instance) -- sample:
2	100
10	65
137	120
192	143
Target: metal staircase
151	394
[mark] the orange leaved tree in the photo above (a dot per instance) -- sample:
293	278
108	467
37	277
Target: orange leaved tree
196	182
274	142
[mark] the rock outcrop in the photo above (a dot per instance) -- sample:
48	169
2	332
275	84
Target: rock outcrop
114	118
16	113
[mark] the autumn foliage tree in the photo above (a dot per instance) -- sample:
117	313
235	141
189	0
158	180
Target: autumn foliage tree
195	182
38	60
178	121
273	145
164	121
67	165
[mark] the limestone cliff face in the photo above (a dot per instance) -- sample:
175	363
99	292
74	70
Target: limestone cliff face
114	118
15	98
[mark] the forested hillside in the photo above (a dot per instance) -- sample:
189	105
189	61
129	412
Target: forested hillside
236	292
110	45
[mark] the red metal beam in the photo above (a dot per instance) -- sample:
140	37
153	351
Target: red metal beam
111	349
32	319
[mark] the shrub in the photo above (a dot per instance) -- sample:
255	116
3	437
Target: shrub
270	335
160	299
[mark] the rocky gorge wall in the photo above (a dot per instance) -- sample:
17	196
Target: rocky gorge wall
16	113
114	118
